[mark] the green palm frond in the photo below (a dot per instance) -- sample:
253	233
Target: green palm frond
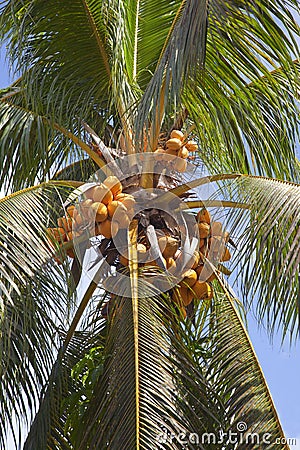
25	217
269	248
56	411
28	329
137	415
248	128
64	58
33	293
31	148
80	170
234	371
182	55
51	423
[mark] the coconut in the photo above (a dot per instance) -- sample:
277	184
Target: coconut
203	229
202	290
203	216
189	278
113	184
102	193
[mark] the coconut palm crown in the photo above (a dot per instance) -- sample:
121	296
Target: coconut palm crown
135	135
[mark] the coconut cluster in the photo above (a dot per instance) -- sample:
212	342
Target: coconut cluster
104	211
196	282
178	147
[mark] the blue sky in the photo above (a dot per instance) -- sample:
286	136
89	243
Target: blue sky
281	365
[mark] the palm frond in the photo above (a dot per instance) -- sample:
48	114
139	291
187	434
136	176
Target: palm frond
50	426
183	54
59	76
251	128
80	170
31	149
163	362
33	293
269	248
234	371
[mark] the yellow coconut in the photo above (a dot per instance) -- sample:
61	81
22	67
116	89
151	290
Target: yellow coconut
183	153
168	246
62	234
195	260
170	152
85	209
86	203
202	244
202	290
177	134
79	221
103	194
203	229
123	260
189	278
65	223
186	295
108	229
126	199
173	144
116	209
101	211
113	184
216	245
70	210
89	193
123	221
180	165
192	146
203	216
52	234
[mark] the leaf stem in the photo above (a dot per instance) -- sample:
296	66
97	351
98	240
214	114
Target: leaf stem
133	267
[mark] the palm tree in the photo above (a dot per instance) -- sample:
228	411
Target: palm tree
91	362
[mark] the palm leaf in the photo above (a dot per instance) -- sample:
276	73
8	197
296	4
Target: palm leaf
159	362
33	147
248	128
236	374
183	53
75	72
49	428
269	248
34	293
